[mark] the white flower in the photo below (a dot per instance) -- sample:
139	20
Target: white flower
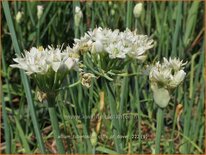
40	9
175	63
77	16
160	74
39	60
141	44
177	79
117	51
138	10
82	45
97	47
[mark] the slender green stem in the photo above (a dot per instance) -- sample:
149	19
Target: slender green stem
160	113
137	103
7	135
54	123
38	31
93	150
116	127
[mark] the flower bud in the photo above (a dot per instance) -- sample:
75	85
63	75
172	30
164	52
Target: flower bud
40	9
19	16
93	138
78	16
138	10
112	12
161	97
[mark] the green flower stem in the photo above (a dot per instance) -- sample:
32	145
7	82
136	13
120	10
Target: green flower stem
160	114
116	127
54	122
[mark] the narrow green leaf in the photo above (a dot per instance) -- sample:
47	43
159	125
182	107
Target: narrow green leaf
23	77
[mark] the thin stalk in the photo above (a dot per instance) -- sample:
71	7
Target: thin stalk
137	103
54	123
160	113
115	123
38	31
7	134
139	114
93	150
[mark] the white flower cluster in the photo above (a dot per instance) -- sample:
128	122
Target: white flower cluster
164	78
117	44
40	60
169	74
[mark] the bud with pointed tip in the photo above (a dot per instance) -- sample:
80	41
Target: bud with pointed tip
138	10
78	16
40	9
93	138
19	16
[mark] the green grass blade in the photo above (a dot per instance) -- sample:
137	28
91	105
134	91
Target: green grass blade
23	77
191	22
22	137
129	14
115	122
106	150
177	29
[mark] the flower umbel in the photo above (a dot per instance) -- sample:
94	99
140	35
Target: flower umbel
48	66
106	51
165	78
115	43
